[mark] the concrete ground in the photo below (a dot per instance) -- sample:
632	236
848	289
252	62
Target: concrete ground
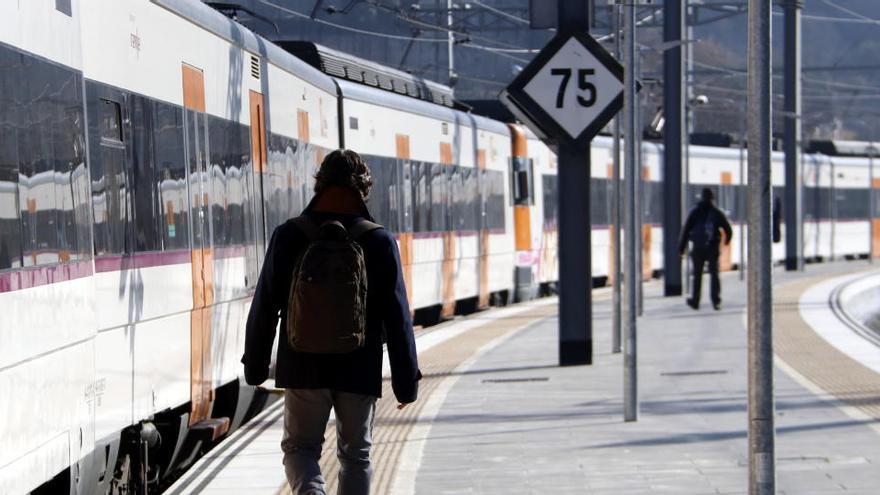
515	422
496	415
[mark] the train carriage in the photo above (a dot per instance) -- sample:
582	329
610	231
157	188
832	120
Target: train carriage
149	149
440	180
47	330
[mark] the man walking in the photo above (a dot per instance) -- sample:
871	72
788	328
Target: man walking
702	229
333	324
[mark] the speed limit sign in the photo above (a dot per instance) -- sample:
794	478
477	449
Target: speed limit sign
570	90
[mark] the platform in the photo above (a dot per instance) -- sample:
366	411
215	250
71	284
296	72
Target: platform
496	415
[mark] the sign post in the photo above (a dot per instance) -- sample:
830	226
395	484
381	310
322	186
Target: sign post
569	92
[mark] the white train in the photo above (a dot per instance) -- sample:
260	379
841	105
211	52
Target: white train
147	150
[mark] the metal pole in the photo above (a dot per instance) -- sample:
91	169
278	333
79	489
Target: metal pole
673	26
832	208
762	470
575	279
871	204
640	194
794	244
742	221
450	36
615	208
630	378
688	125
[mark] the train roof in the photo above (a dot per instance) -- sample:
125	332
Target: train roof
840	147
367	94
350	68
325	68
209	19
490	125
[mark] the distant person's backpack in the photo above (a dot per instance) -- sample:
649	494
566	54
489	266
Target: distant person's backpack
326	311
704	232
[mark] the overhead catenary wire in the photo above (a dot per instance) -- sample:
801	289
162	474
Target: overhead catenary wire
500	12
835	20
741	91
497	51
435	27
743	73
851	12
349	28
502	50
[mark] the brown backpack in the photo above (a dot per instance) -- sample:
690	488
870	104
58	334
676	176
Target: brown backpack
327	305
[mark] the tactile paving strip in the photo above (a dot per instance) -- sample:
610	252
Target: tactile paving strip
810	355
392	426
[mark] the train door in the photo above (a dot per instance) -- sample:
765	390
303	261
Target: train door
875	222
405	237
726	204
483	228
647	269
196	139
258	158
447	309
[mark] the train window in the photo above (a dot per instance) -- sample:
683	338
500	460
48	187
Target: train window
384	197
404	194
109	190
421	197
464	199
253	222
457	196
143	184
851	204
170	178
63	6
598	202
875	194
10	223
79	175
36	152
110	117
439	198
221	145
288	162
247	205
71	175
521	182
494	196
551	201
43	217
236	187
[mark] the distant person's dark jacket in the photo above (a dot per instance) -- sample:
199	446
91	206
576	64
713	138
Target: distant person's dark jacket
696	217
387	308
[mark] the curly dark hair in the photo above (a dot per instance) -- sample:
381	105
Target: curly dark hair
347	169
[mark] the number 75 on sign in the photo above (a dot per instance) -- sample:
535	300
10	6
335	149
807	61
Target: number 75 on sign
571	89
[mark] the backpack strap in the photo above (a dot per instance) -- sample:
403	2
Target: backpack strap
361	227
306	226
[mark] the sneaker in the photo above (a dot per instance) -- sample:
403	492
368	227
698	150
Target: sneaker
717	306
693	304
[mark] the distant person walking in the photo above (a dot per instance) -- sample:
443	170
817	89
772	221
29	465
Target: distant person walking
702	230
333	324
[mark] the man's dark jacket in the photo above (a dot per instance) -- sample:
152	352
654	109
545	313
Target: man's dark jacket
387	308
696	216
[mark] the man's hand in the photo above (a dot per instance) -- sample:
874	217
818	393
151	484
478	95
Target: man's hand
401	406
255	375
